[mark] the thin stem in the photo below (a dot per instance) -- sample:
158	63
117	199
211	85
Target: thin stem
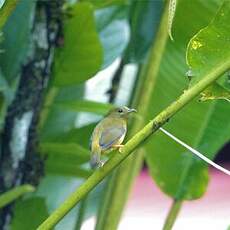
14	193
172	215
81	213
120	184
6	10
49	99
116	82
133	143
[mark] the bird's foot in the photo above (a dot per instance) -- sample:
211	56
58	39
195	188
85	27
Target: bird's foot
100	164
97	165
119	147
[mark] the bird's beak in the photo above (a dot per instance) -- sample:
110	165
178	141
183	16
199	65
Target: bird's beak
132	110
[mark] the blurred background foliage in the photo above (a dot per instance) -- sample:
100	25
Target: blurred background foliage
114	41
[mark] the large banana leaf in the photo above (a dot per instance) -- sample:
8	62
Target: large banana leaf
81	52
205	126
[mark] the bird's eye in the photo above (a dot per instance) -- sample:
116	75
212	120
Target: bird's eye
120	111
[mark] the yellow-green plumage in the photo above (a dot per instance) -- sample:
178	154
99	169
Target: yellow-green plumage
109	133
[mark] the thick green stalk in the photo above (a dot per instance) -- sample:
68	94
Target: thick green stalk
133	143
120	184
81	213
49	99
6	10
172	215
14	193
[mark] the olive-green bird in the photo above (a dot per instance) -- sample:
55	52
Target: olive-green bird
109	133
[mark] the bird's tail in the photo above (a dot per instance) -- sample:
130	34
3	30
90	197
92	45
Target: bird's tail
95	161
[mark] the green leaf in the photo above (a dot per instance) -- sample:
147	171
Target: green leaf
6	10
144	18
77	135
105	3
204	126
55	189
68	169
86	106
55	123
81	55
65	152
15	48
113	28
213	39
215	91
29	213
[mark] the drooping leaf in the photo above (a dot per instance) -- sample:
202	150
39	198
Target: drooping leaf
144	18
80	57
215	91
29	213
204	126
86	106
113	28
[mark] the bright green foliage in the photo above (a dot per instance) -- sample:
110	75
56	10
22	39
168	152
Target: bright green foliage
29	213
210	46
16	39
85	106
105	3
113	29
204	126
212	39
144	19
81	52
5	10
69	152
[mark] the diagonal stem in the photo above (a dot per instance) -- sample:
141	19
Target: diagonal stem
172	215
9	196
132	144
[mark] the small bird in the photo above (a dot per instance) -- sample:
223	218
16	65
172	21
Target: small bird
109	133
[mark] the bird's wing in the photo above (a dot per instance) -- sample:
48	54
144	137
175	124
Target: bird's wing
111	136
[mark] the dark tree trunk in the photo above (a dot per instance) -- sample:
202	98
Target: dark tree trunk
19	160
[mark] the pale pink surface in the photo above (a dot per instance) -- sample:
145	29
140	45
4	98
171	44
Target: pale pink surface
147	206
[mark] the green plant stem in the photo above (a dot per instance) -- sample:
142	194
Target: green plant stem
6	10
119	186
133	143
14	193
172	215
81	213
49	99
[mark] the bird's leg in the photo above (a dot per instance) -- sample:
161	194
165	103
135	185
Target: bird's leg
100	164
118	147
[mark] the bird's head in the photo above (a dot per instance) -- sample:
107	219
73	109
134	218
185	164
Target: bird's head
121	112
